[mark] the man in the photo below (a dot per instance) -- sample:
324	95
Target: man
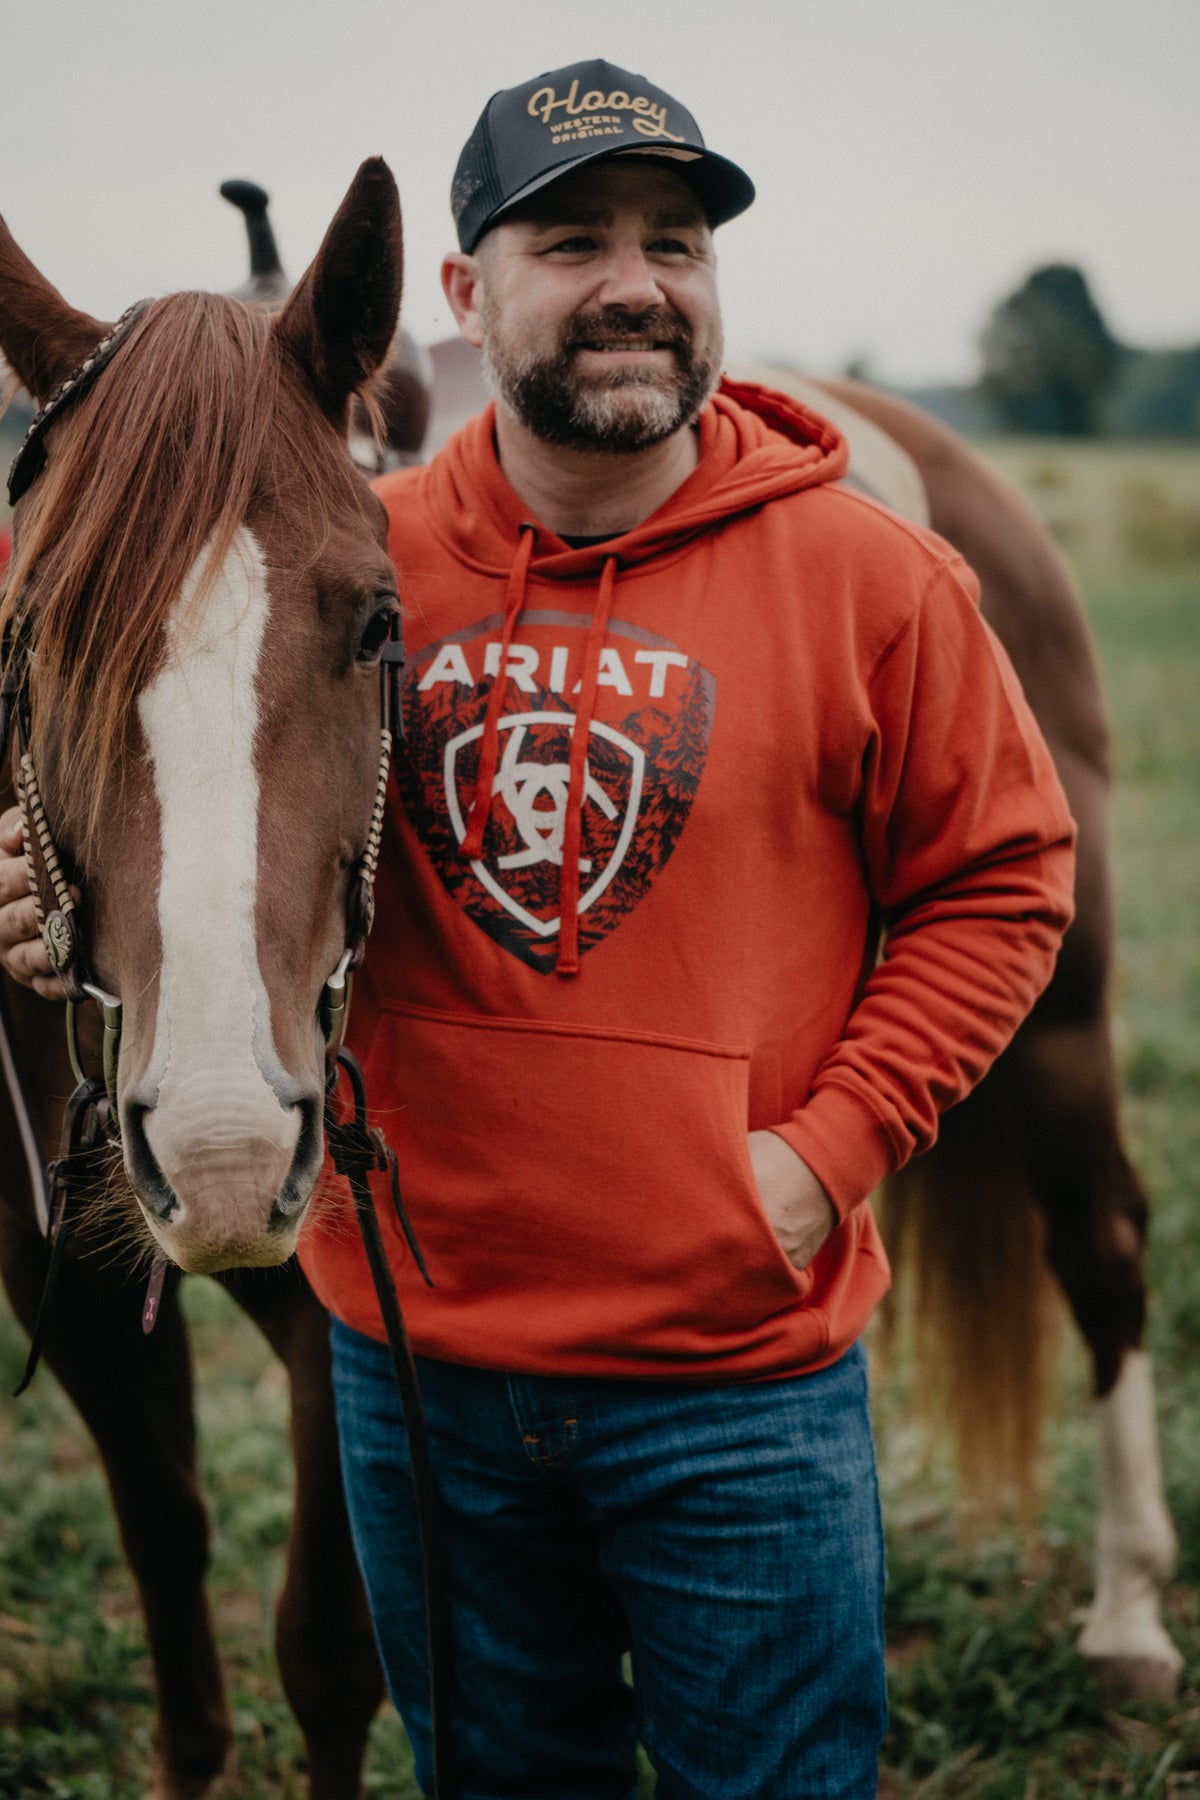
687	722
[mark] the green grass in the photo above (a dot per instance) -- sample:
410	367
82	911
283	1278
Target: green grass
75	1712
989	1700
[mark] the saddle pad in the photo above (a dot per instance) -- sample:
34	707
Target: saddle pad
878	466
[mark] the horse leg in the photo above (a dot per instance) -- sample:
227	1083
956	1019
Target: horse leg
1096	1211
323	1637
134	1394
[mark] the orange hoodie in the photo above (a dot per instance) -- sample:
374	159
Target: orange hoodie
795	730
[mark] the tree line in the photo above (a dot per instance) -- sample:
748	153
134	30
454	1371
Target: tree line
1052	365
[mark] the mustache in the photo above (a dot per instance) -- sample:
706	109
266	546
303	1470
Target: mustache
611	330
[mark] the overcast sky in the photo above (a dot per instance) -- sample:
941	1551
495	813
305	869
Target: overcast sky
914	158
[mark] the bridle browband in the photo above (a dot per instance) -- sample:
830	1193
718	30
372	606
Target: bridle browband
30	459
91	1127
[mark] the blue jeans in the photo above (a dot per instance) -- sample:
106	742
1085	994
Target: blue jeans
728	1537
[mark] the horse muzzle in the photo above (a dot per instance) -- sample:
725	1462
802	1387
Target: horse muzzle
223	1181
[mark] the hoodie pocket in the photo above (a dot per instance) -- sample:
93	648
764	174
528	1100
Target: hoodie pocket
603	1175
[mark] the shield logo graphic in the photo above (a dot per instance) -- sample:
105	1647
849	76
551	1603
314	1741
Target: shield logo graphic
524	842
642	773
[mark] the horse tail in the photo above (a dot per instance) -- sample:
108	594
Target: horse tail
252	201
974	1300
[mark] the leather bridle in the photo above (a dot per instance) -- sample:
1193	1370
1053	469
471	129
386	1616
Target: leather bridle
91	1127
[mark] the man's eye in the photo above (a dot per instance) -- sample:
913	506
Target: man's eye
574	245
670	247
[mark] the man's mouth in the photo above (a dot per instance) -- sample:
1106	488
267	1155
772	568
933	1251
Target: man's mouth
623	346
617	338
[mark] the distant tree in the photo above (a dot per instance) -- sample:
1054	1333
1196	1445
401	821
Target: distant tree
1048	356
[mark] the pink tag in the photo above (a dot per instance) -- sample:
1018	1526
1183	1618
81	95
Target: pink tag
154	1291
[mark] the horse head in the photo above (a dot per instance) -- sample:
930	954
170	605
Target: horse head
201	594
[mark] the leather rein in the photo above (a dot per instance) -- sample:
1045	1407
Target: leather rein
91	1126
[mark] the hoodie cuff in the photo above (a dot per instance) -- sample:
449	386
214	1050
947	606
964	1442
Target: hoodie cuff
847	1146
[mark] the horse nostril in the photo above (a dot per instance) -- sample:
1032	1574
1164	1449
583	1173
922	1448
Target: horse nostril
294	1195
151	1185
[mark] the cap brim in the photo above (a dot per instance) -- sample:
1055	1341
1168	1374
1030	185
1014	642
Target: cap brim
722	189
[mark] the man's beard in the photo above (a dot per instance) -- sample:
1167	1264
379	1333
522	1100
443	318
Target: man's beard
612	411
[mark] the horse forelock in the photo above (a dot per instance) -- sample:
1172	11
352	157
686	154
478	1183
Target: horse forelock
197	418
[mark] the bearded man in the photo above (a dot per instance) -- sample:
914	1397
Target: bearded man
689	724
686	721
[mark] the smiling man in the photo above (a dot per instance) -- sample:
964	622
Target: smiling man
686	721
571	368
689	725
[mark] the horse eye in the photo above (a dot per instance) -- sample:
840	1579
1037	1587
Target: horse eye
379	628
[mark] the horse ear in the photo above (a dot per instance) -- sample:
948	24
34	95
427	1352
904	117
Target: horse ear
342	314
43	339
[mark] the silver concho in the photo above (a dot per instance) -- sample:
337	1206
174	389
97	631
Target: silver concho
60	941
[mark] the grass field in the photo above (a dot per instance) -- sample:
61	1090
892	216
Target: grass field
989	1700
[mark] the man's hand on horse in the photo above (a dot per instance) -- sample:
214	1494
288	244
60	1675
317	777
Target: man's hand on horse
798	1209
22	953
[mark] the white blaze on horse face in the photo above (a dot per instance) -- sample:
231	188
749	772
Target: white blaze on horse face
222	1120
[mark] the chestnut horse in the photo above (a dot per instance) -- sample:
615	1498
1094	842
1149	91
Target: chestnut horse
200	579
1031	1169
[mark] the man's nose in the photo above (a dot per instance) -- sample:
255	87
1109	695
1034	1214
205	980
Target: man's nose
629	281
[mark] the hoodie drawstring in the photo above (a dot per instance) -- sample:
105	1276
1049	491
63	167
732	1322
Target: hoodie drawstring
489	743
568	888
567	962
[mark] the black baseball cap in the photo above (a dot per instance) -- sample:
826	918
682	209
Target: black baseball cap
529	136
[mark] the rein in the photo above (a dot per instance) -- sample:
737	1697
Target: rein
91	1125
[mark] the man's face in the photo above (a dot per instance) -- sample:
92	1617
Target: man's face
599	315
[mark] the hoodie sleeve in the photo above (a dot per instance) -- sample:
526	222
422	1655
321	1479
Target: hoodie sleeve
968	844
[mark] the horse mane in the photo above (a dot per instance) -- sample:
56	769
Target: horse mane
161	460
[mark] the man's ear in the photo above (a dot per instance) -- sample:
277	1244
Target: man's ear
462	284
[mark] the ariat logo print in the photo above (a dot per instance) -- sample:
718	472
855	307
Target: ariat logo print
641	773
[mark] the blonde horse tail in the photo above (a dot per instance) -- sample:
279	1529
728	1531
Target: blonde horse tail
975	1303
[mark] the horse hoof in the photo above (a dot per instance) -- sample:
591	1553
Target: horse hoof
1139	1677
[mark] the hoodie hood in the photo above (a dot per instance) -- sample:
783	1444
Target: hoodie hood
756	445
